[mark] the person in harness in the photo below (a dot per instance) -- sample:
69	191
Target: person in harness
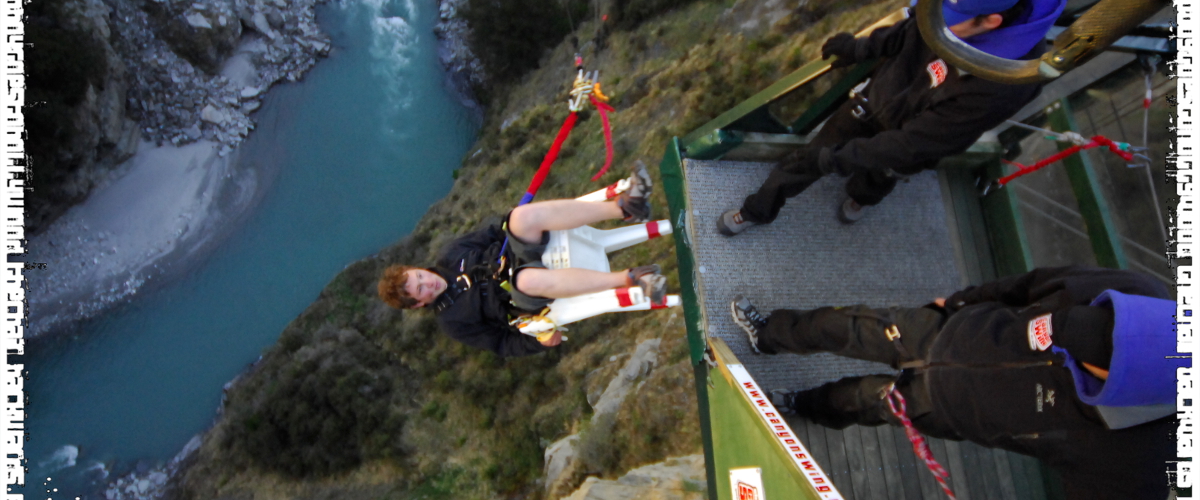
914	110
479	283
1071	365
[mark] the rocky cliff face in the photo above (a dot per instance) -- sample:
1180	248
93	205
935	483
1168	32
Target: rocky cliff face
464	71
167	71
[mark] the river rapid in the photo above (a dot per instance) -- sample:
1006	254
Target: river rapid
341	164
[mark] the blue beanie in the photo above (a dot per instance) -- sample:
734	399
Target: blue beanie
1010	42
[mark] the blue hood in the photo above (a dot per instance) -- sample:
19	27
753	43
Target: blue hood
1141	376
1018	39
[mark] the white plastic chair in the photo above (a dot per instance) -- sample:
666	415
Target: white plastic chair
588	248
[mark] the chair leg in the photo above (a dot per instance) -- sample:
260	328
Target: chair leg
569	310
608	193
624	237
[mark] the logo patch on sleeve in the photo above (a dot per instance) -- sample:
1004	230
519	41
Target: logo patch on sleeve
1040	333
937	72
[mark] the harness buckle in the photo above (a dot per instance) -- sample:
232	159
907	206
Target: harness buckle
892	333
858	112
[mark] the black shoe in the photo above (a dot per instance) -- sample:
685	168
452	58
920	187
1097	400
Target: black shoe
784	401
635	201
747	317
653	284
731	223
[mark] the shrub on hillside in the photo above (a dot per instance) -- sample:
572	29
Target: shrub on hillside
628	14
328	407
509	36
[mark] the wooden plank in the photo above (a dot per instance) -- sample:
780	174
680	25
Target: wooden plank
987	471
873	463
958	471
1008	486
897	471
817	444
971	468
856	462
837	462
1021	480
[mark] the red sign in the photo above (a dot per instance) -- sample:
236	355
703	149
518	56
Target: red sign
747	492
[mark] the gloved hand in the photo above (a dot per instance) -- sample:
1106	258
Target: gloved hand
842	45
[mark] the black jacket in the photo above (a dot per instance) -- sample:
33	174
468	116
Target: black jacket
478	314
992	388
919	123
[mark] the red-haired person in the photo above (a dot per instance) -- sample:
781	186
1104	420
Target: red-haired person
475	292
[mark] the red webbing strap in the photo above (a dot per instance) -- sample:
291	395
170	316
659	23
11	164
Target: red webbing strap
920	447
551	155
1097	141
608	147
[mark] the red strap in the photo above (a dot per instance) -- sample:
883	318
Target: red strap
1097	141
610	191
608	147
920	447
623	299
552	155
652	229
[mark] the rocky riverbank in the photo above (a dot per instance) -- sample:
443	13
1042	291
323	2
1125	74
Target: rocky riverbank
172	72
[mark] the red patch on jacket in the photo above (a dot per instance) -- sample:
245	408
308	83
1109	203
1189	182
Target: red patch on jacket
937	72
1040	333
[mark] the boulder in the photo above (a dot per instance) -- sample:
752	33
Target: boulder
195	31
681	478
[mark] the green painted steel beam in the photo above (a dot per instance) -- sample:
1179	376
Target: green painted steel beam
675	187
1102	232
1005	228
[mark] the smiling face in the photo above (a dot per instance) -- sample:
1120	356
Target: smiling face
423	285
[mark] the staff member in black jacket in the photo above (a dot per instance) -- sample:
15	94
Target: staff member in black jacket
1070	365
913	111
475	292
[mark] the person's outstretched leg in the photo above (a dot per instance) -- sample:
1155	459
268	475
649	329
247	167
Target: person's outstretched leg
528	222
854	331
860	400
571	282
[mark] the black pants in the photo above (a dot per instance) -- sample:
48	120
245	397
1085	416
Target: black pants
860	332
791	176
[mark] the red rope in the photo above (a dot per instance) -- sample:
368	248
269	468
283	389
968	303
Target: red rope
551	155
604	108
920	447
1097	141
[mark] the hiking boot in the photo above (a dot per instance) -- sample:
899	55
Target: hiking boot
653	284
747	317
731	223
635	201
850	211
784	400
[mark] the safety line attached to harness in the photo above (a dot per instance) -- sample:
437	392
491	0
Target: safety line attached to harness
920	447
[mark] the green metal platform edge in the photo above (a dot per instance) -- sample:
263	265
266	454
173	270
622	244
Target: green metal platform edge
675	187
746	441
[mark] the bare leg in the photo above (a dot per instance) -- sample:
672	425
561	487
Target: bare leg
528	221
567	282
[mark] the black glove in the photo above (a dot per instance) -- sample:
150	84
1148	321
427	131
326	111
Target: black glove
842	45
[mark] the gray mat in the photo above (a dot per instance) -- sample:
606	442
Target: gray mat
899	254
